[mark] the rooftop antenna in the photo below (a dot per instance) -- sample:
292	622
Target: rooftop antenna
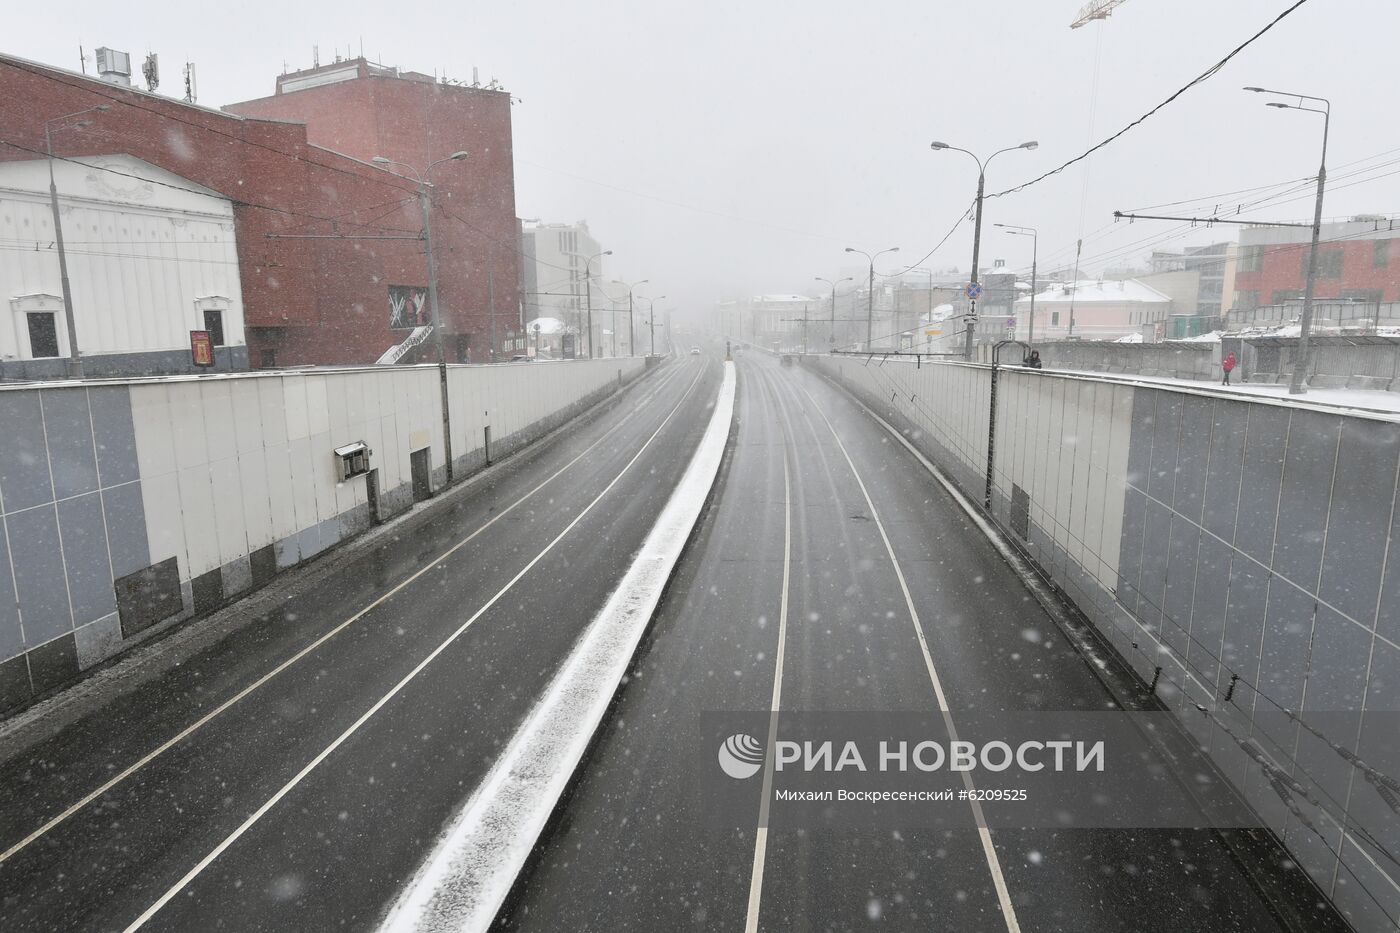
315	56
191	86
82	59
476	81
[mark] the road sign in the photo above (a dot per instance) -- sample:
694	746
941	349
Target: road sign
1011	322
974	290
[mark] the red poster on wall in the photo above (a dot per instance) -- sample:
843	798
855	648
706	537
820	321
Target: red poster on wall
201	348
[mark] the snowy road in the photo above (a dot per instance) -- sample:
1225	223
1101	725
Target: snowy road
295	772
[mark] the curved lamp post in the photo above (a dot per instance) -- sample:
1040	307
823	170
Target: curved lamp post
977	229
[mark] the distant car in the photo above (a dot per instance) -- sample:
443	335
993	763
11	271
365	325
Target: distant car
694	351
521	358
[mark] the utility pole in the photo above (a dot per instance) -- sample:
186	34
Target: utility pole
832	335
423	185
75	360
870	294
1035	251
1300	365
588	294
977	229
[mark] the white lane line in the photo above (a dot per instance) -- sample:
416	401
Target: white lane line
242	694
1008	910
393	691
760	845
480	854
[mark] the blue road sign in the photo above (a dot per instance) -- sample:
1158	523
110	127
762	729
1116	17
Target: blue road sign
974	290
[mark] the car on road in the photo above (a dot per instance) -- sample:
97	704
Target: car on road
694	351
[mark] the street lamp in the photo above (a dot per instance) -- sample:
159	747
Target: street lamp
588	297
423	185
75	362
1300	365
1035	249
833	285
870	297
651	321
977	228
630	289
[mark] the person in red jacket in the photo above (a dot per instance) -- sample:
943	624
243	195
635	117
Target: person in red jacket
1227	364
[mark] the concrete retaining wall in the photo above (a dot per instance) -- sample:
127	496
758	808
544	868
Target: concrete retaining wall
129	506
1227	548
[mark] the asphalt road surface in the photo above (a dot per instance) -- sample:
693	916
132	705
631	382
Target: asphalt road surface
293	773
625	853
306	802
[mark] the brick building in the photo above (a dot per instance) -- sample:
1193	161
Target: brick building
326	299
364	110
1358	261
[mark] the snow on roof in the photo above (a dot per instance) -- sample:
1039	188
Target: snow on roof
547	326
1130	338
769	299
1086	291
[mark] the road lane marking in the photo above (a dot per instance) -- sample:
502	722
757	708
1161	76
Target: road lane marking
1008	910
325	753
255	685
760	846
478	857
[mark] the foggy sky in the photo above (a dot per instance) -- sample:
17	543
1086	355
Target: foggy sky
727	148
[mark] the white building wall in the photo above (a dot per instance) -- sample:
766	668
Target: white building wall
146	256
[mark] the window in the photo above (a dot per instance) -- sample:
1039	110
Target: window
267	359
1284	295
214	323
1246	300
43	334
1329	262
1381	257
1054	317
1251	258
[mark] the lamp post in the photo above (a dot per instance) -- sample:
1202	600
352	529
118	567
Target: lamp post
435	310
588	296
1035	249
630	305
833	285
870	295
977	227
75	361
1300	365
423	205
651	321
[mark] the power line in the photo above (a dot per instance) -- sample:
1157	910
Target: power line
1202	77
174	187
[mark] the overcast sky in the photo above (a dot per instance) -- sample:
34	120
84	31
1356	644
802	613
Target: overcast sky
723	148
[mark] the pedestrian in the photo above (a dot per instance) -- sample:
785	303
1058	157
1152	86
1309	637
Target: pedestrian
1032	361
1227	364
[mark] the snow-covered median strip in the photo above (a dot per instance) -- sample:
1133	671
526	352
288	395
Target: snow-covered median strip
472	867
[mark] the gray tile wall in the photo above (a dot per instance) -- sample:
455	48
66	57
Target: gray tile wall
1256	543
71	520
1256	546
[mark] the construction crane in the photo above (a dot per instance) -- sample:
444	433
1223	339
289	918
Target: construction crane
1095	9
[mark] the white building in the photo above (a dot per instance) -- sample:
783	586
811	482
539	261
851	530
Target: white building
151	256
1098	310
556	278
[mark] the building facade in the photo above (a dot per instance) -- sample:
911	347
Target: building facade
1358	261
1094	310
558	256
151	256
367	111
329	245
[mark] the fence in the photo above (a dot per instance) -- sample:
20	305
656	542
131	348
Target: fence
127	506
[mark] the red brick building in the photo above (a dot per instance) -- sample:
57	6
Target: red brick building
1359	260
296	164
